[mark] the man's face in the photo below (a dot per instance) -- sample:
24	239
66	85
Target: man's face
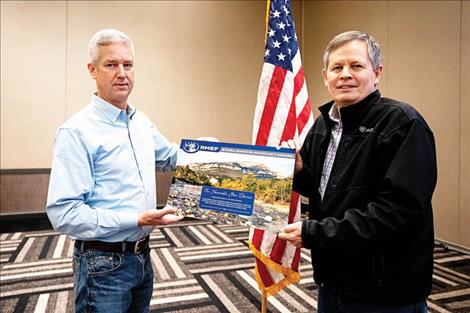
114	73
349	76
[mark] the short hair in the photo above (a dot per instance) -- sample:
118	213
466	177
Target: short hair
106	37
373	47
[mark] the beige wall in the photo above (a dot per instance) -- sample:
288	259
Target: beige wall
32	81
427	57
197	68
198	65
464	203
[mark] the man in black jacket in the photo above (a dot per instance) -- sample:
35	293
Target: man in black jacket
368	167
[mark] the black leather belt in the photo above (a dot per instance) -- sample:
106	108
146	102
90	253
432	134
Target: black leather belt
135	247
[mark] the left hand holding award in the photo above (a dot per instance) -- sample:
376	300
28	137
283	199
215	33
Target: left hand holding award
163	216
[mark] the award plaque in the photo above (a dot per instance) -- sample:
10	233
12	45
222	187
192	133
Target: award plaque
230	183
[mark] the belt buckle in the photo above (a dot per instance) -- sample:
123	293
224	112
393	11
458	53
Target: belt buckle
137	247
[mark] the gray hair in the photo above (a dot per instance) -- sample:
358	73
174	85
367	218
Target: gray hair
106	37
373	47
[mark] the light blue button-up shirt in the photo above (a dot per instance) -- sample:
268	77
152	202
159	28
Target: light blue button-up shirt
103	173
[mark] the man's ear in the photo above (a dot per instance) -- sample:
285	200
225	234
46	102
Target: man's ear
378	74
92	70
325	81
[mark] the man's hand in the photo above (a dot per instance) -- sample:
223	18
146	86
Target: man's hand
292	233
164	216
298	159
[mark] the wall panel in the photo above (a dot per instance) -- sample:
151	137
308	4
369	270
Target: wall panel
424	71
197	69
197	63
325	19
32	80
464	218
24	191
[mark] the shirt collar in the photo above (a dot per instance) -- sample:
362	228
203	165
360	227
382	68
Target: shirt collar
130	110
334	113
110	111
351	115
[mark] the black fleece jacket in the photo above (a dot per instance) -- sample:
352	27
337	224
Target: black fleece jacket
372	235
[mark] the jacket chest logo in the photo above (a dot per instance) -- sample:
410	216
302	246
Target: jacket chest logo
364	129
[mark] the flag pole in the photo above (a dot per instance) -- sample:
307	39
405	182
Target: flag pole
264	300
264	296
268	6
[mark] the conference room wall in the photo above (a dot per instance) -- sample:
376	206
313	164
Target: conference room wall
427	63
197	70
464	183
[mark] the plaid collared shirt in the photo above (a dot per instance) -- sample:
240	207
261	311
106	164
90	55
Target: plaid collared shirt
336	132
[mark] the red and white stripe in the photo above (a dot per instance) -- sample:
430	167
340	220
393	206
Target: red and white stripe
283	112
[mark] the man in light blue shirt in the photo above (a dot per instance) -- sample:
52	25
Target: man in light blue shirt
102	189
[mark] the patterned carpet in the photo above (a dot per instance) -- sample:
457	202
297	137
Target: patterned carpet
199	267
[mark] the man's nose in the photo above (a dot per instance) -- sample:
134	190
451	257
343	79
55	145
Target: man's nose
345	72
120	71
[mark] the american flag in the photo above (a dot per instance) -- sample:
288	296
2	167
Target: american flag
283	112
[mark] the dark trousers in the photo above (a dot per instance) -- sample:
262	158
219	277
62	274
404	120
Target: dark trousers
331	301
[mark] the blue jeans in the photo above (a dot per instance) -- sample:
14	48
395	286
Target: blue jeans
107	282
330	301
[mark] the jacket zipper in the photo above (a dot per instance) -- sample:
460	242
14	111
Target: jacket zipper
378	268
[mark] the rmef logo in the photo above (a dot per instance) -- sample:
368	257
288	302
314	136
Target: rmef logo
191	146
